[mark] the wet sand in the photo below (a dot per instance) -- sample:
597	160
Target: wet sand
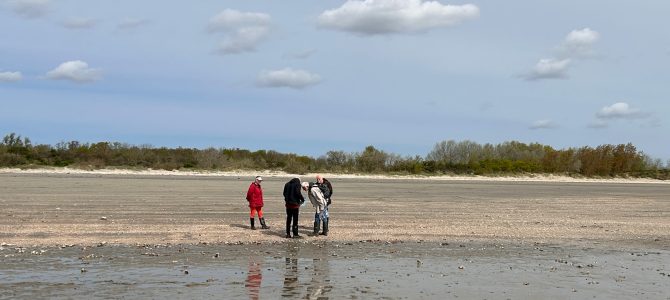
114	236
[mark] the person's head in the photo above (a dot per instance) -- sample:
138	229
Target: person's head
258	180
319	179
305	185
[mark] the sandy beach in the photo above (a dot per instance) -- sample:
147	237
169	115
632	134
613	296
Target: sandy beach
74	234
90	208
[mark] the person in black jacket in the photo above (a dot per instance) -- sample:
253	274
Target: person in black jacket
293	198
328	193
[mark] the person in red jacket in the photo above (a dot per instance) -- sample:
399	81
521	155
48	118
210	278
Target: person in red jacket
255	199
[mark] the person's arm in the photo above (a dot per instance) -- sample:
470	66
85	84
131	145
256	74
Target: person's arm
250	191
300	196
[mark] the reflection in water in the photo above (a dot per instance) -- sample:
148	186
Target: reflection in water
290	278
320	286
291	272
254	278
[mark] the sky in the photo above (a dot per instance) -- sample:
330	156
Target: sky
307	77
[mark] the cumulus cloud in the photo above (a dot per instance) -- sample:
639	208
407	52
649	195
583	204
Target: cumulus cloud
79	23
244	30
549	68
10	76
543	124
29	9
77	71
231	20
244	40
620	110
579	43
288	77
372	17
131	23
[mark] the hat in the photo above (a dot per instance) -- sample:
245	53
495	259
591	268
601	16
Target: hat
305	184
259	178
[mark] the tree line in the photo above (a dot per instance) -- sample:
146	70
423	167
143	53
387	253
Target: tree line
447	157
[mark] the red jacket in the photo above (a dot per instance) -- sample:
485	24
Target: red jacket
255	195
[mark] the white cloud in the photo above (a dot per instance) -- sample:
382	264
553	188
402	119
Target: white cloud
10	76
579	43
79	23
231	20
549	68
244	40
244	30
543	124
30	9
131	23
372	17
620	110
288	77
77	71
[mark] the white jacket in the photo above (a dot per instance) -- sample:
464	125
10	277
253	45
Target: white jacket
316	197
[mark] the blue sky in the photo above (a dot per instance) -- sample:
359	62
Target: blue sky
310	76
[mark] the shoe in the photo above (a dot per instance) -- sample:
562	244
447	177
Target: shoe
251	220
325	227
263	226
316	228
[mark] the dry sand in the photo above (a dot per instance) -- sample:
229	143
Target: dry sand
52	208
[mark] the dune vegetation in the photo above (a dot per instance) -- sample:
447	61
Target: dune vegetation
447	157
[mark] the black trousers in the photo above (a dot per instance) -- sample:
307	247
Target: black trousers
292	214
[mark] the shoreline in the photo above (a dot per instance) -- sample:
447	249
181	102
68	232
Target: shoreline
267	173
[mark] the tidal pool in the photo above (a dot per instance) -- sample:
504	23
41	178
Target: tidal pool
303	269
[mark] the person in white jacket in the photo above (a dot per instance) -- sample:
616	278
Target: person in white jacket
315	192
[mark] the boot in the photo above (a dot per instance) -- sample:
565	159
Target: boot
295	231
317	223
263	226
252	223
325	227
288	227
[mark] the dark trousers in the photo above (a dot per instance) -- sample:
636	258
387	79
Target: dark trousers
292	214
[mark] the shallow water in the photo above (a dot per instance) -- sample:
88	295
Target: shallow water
325	270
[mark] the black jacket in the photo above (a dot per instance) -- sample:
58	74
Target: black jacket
292	194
